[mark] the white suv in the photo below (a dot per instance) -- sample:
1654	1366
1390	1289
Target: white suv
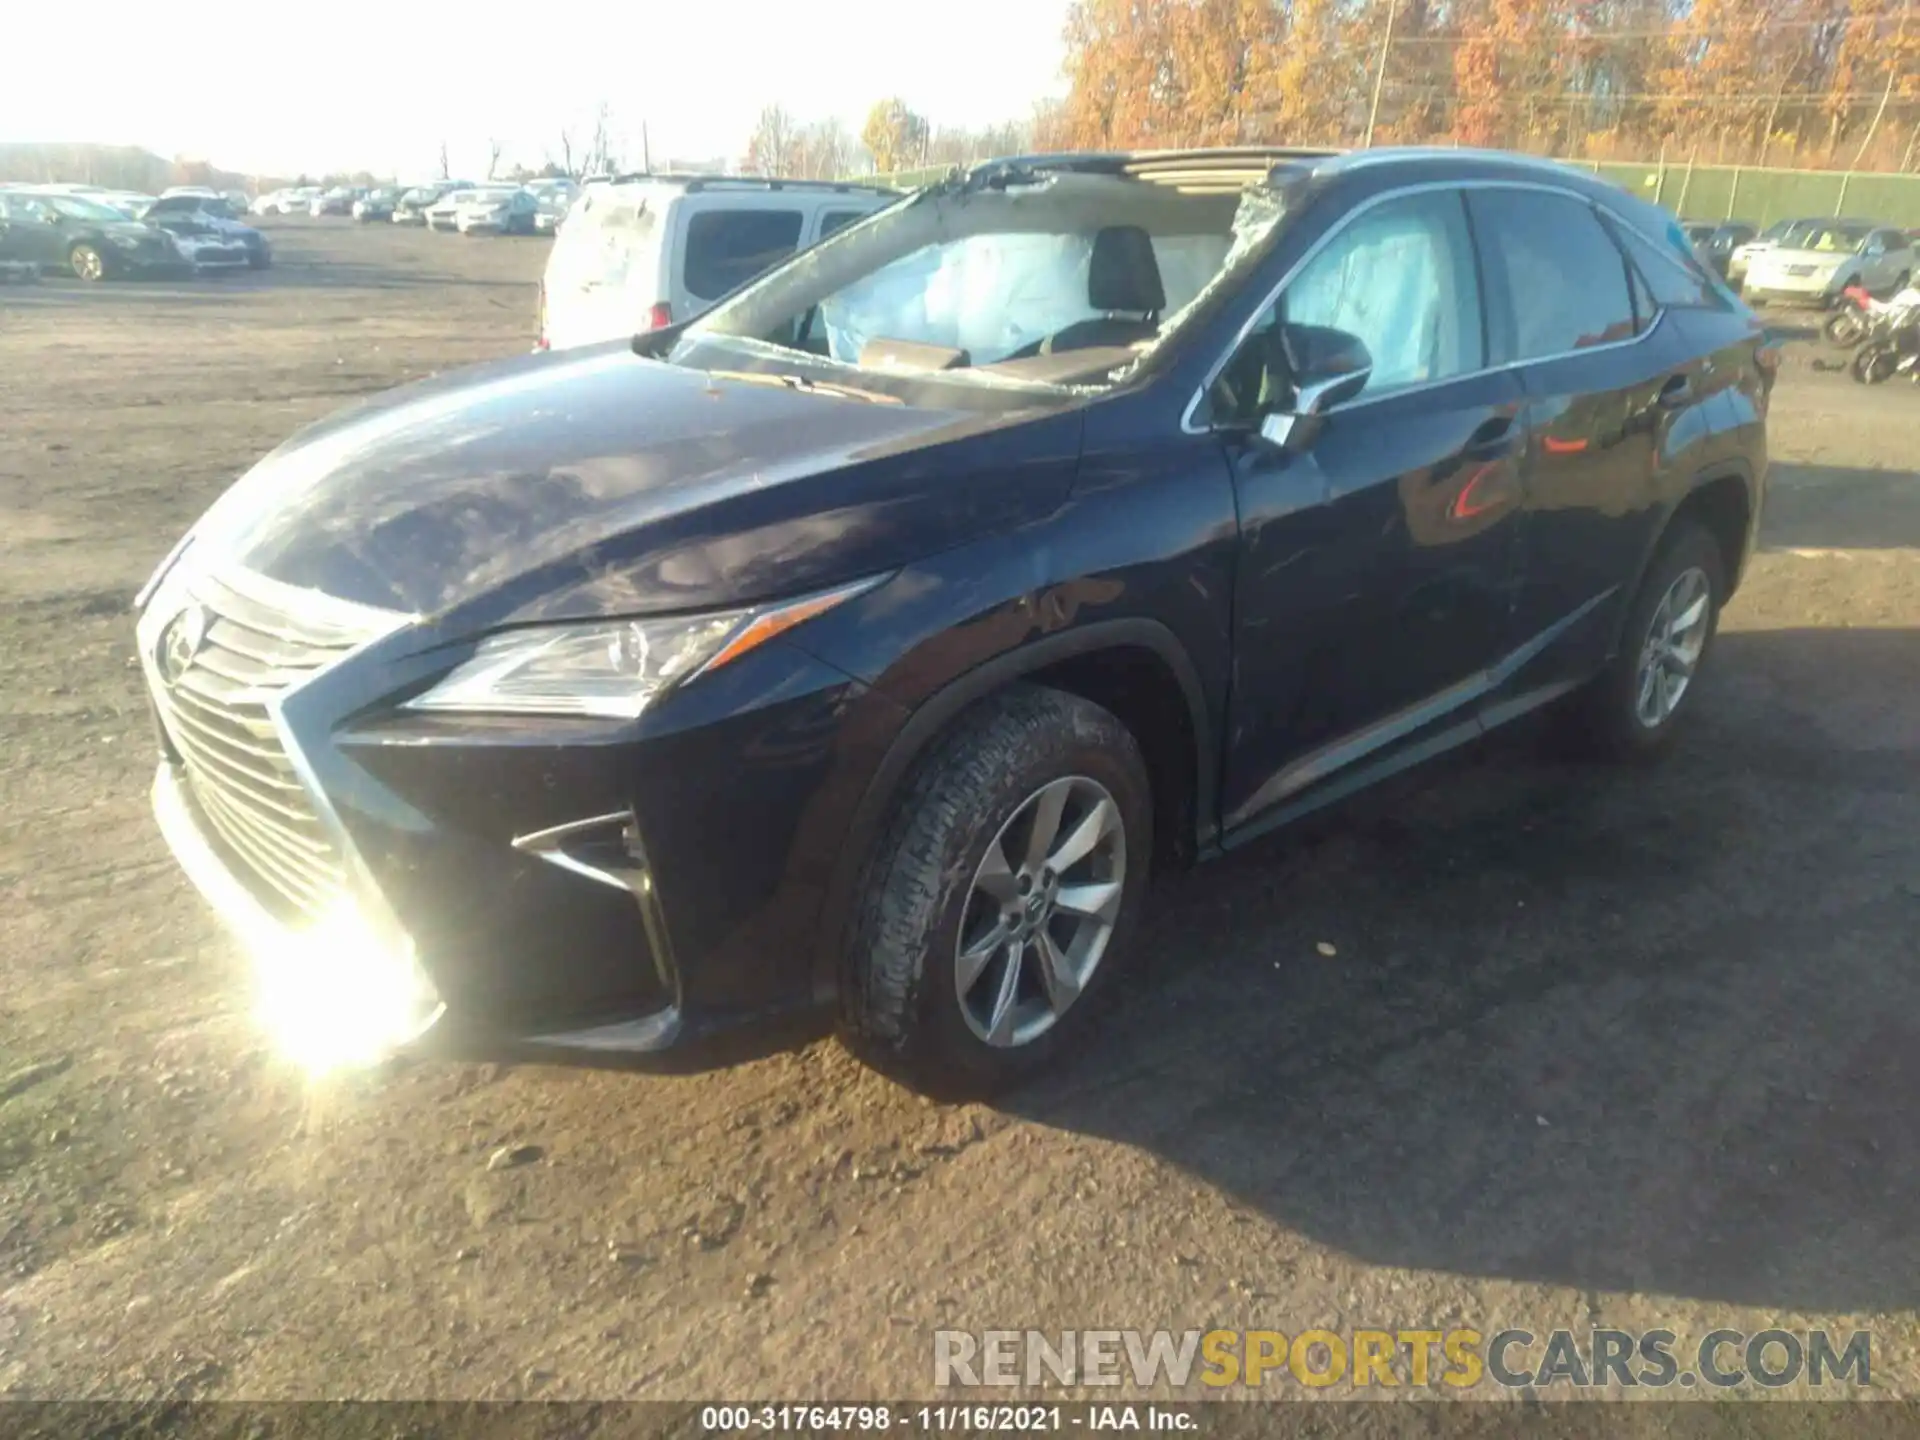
645	251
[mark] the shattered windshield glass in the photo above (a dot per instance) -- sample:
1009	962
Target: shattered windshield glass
1044	278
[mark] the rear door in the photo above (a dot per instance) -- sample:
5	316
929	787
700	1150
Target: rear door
1609	391
726	240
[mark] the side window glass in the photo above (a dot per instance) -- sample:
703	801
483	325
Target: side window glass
1566	281
1399	278
1670	278
837	220
727	248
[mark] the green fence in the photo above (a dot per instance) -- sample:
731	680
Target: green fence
1707	192
1737	192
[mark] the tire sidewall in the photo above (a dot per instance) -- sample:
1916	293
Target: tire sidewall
938	1047
1689	547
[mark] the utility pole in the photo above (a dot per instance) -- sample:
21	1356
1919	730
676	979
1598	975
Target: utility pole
1380	72
646	150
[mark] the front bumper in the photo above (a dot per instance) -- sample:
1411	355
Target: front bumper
559	884
1792	289
289	961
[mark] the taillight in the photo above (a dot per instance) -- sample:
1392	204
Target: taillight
658	317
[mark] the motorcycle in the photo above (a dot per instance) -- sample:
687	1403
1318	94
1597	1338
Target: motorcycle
1892	349
1860	317
1847	326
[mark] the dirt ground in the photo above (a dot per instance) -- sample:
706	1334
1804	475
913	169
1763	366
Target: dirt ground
1592	1047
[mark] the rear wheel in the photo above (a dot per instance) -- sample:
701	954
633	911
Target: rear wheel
995	913
87	262
1845	328
1632	709
1874	363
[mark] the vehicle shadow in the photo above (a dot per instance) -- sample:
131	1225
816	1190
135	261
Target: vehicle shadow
1650	1030
1827	507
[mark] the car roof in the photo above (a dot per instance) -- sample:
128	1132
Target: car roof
693	183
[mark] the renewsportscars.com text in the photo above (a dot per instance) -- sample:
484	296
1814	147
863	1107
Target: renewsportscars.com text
1455	1359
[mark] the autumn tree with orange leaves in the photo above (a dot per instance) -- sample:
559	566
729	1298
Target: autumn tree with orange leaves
1782	80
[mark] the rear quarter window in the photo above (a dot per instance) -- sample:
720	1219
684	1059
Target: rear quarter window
727	248
1672	279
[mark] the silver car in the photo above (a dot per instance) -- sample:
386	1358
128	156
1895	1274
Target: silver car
1813	265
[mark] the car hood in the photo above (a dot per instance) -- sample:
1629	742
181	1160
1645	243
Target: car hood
131	229
597	482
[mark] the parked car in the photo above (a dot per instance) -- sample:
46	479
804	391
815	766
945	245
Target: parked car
1813	266
377	204
554	198
82	236
496	210
201	216
867	642
337	201
130	203
444	213
412	206
1777	233
296	200
644	251
1714	241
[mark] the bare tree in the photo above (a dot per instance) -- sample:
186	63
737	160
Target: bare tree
823	151
775	148
566	154
446	171
493	157
600	158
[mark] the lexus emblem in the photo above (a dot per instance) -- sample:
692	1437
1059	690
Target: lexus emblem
180	642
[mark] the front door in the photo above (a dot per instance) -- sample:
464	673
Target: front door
1377	559
32	231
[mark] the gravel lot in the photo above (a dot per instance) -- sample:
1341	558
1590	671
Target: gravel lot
1592	1047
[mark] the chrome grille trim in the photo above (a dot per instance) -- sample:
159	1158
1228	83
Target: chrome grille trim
262	641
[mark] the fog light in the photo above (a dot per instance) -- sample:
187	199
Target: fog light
337	994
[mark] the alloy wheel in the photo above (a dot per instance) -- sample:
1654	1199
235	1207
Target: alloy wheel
88	263
1671	651
1041	911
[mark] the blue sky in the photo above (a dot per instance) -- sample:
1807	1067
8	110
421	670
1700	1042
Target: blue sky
353	84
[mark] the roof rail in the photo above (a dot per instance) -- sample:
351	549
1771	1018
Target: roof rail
699	180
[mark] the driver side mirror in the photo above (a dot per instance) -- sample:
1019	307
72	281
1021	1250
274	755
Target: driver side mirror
1328	367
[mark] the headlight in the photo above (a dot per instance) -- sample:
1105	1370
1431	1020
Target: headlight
613	669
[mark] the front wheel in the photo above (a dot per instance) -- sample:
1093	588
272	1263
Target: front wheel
87	262
1845	328
996	910
1633	708
1874	363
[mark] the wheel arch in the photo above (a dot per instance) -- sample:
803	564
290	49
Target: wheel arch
1135	667
1721	500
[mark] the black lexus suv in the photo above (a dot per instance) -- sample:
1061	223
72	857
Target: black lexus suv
866	642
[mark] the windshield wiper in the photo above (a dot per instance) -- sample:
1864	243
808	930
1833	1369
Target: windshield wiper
809	387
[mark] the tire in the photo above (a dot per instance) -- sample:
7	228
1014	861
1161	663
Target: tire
979	791
1873	364
88	262
258	260
1612	717
1845	328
